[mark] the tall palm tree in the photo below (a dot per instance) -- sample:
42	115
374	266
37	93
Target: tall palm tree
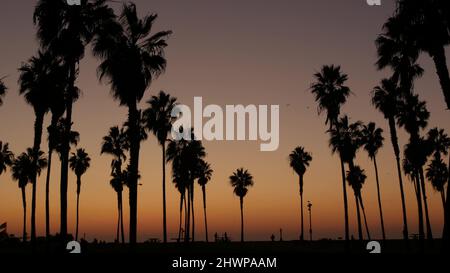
2	91
241	180
356	178
331	93
24	168
158	120
437	174
116	144
79	163
186	157
299	160
205	175
385	98
66	30
131	59
413	116
6	157
373	140
20	172
429	29
38	86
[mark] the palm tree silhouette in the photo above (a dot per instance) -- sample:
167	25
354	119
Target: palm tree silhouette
428	28
346	139
6	157
116	144
437	174
398	51
23	169
186	157
65	30
413	116
241	180
373	140
2	91
205	174
131	59
385	98
38	87
158	120
331	93
356	178
79	163
299	160
20	172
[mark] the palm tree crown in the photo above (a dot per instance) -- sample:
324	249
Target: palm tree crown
241	180
2	91
299	160
79	162
6	157
372	138
330	91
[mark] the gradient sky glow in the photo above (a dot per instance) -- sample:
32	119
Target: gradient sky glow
229	52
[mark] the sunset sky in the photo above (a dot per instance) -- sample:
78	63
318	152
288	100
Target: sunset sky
228	52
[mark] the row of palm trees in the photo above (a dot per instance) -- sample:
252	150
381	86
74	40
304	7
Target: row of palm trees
131	57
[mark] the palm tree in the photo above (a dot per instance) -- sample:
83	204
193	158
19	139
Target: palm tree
79	163
116	144
398	51
158	120
413	116
428	28
331	93
241	180
186	157
385	98
131	59
437	174
440	143
205	175
299	160
66	30
20	172
2	91
24	168
356	178
6	157
373	141
38	85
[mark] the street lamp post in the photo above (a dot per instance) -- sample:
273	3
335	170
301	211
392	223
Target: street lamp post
310	222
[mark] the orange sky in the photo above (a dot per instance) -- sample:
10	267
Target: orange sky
229	52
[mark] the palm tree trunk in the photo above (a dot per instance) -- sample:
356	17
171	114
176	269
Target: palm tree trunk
36	148
186	218
241	199
301	206
425	202
193	217
395	145
134	168
164	192
344	190
121	218
47	193
65	150
379	198
439	59
420	211
24	204
187	233
118	218
78	206
446	229
364	215
358	214
204	211
181	216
